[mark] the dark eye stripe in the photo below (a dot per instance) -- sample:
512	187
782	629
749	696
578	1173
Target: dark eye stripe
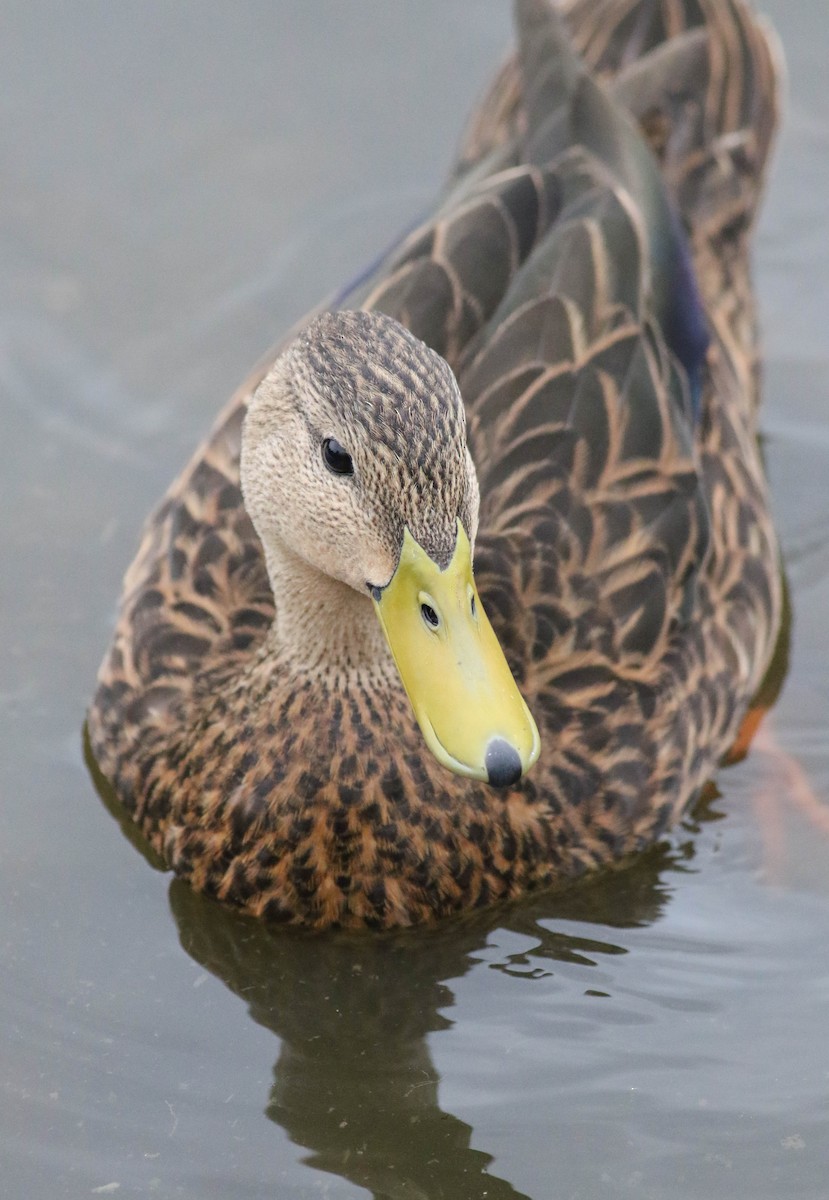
336	458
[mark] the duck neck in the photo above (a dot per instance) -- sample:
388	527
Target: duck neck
321	623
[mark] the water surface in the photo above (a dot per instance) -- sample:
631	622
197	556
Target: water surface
179	184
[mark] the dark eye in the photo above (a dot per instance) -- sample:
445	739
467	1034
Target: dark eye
336	459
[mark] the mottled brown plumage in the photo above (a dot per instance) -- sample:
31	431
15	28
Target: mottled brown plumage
625	552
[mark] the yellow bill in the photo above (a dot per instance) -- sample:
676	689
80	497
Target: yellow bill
464	697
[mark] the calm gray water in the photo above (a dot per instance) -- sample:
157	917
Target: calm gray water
177	184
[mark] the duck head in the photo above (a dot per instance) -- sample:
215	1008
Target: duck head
355	462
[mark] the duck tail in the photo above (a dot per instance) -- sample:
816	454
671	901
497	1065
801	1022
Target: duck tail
703	80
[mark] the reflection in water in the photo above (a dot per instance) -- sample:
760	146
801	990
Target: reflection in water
354	1081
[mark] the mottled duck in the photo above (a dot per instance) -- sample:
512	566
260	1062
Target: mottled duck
310	707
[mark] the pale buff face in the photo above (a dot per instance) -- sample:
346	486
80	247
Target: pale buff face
394	407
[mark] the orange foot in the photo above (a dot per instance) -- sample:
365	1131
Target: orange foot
786	782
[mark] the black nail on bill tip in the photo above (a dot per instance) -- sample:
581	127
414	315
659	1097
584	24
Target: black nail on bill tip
502	763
